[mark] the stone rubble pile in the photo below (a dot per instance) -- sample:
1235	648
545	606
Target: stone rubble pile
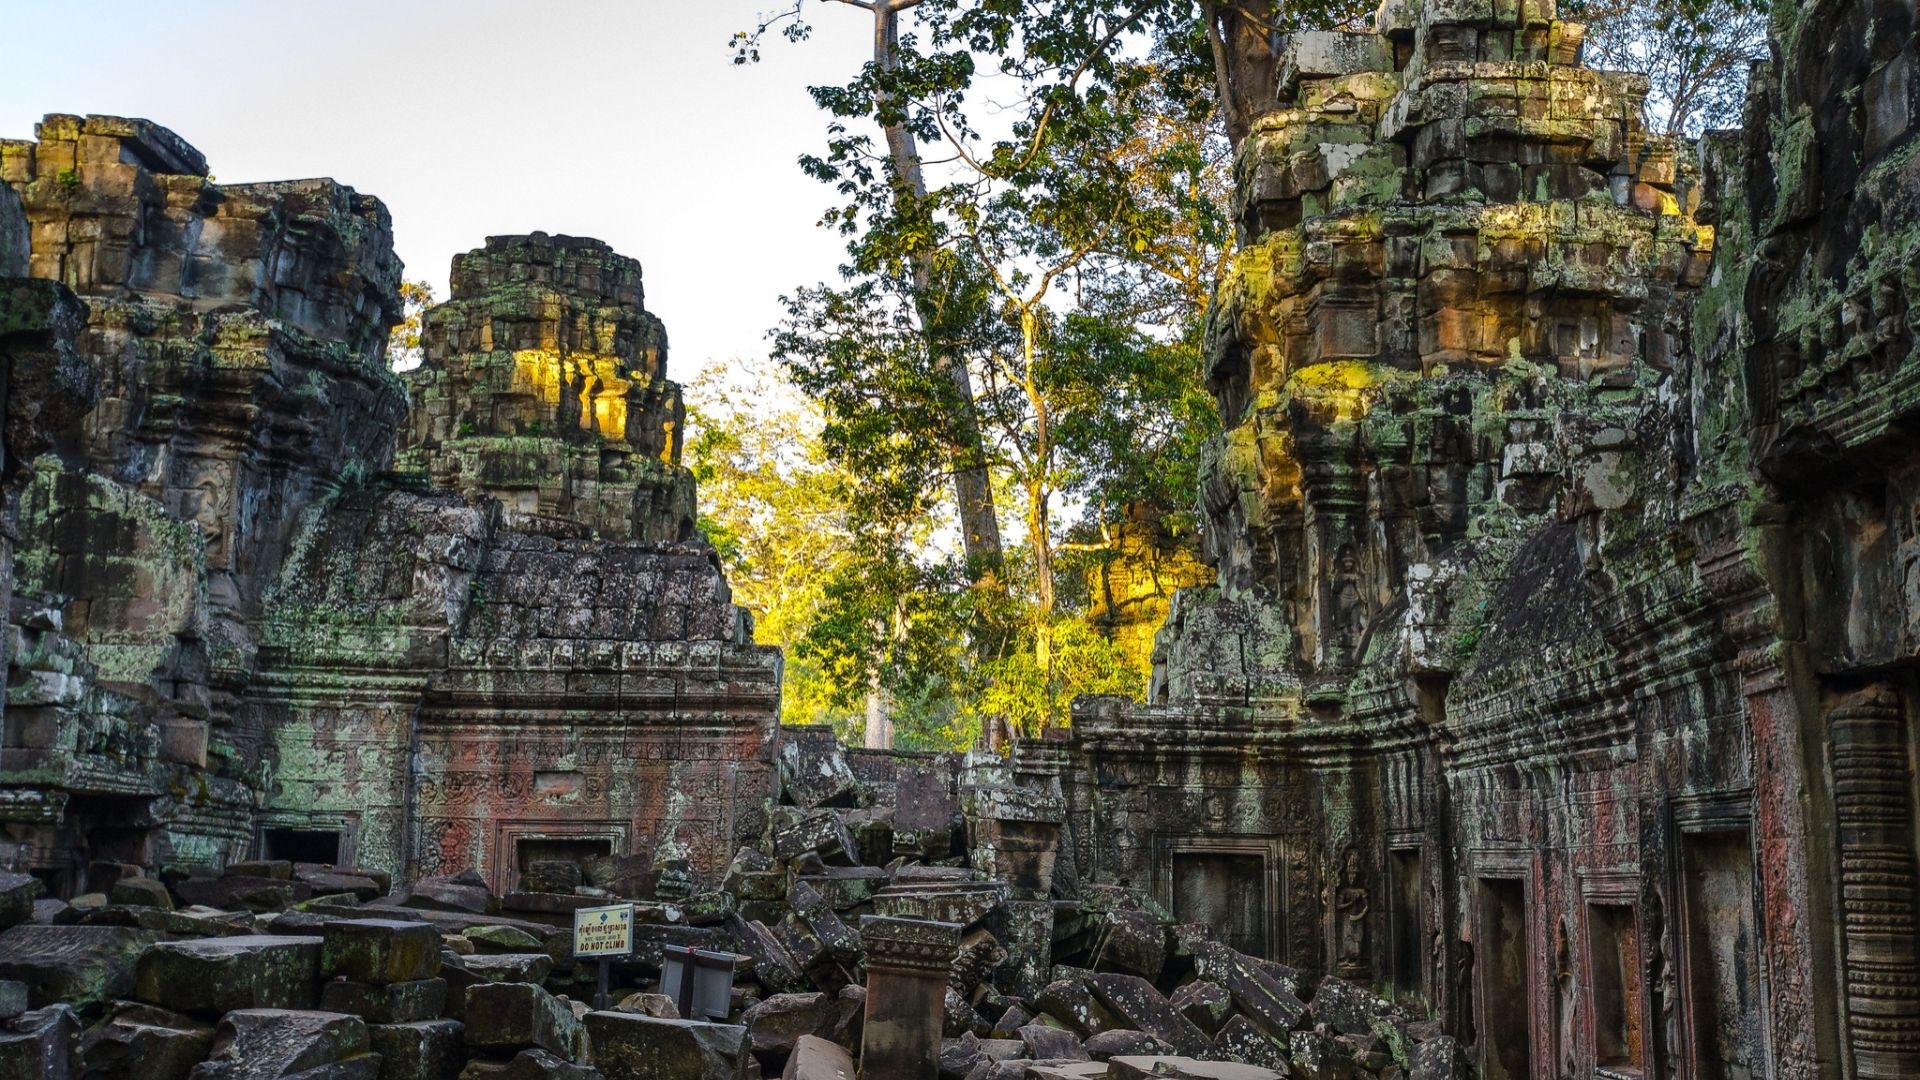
274	969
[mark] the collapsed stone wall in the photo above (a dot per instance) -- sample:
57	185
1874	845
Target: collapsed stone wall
237	622
1559	675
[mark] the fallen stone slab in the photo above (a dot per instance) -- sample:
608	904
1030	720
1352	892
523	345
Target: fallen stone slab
1123	1042
40	1043
379	951
1136	944
1346	1008
392	1003
509	1017
814	771
527	967
1072	1070
635	1047
18	892
1256	994
143	1042
815	1058
213	976
775	1025
248	893
529	1065
510	939
424	1050
820	832
271	869
1137	1005
1439	1058
1185	1068
82	966
1051	1044
1070	1002
141	892
466	891
1204	1003
1317	1057
268	1044
1241	1040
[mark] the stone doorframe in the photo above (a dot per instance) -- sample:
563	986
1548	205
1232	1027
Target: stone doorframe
1612	888
346	824
1507	864
1273	855
507	834
1697	815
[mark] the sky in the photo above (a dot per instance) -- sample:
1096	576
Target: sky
625	120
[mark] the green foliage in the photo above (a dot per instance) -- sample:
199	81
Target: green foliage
405	343
1695	54
1085	661
68	178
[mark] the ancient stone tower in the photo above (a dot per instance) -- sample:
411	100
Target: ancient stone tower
1559	673
241	626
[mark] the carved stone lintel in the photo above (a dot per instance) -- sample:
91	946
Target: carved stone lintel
910	946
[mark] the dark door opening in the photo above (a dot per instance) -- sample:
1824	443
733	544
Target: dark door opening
1723	956
578	850
1409	928
1226	891
1506	1033
301	845
1613	954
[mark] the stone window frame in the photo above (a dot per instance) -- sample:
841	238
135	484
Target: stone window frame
1611	888
1515	865
344	822
1272	851
1696	815
508	832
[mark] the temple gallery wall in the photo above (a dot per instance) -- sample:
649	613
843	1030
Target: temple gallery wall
1553	713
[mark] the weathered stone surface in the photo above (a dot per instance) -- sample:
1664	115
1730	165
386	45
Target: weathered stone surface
141	892
528	1065
1205	1004
266	1044
80	965
17	894
646	1048
41	1043
1123	1042
1051	1043
143	1042
509	967
1136	944
213	976
425	1050
1073	1004
776	1024
513	1016
1137	1005
390	1003
815	1058
380	951
1439	1058
14	998
1242	1040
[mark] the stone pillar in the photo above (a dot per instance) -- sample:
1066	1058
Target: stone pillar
1873	814
907	965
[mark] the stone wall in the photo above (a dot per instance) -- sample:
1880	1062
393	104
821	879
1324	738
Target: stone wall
236	627
1558	679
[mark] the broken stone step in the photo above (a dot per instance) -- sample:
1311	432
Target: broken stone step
509	1017
390	1003
265	1044
635	1047
424	1050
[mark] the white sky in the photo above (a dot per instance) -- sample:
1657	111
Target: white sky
624	120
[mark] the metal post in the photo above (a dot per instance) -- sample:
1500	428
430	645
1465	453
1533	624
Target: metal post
601	999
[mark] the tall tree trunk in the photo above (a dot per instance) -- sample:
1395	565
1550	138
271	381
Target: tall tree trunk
1039	484
1246	60
879	724
973	491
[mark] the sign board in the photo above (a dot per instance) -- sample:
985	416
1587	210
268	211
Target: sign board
603	931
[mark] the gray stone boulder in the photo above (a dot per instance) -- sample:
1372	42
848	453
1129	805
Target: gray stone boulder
17	895
1137	1005
1136	944
466	891
818	1059
214	976
1346	1008
1123	1042
1242	1040
776	1024
529	1065
425	1050
1045	1043
271	1044
1207	1005
379	951
1256	994
141	892
635	1047
503	1018
39	1044
143	1042
82	966
509	967
1070	1002
393	1003
1439	1058
1317	1057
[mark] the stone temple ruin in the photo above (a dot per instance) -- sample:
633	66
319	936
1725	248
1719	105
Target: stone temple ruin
1553	715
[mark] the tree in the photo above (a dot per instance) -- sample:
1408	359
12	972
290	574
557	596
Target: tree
404	348
1695	54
